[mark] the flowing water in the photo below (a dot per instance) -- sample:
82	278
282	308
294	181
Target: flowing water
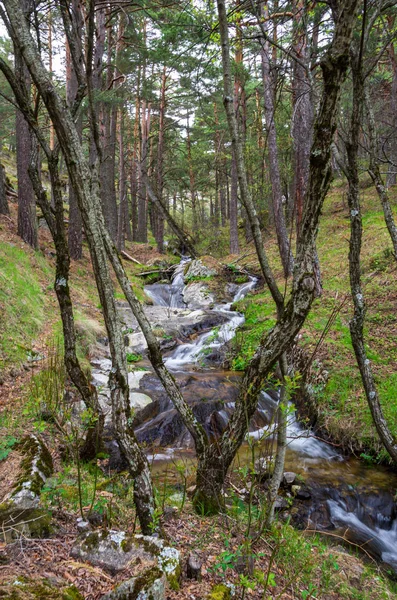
346	496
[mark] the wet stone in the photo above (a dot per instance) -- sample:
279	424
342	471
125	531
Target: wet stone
289	478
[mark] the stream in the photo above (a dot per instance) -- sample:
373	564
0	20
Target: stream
341	495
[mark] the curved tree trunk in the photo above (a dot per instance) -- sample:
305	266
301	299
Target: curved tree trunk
289	322
356	227
88	392
87	193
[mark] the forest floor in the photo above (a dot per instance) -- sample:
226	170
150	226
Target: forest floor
296	565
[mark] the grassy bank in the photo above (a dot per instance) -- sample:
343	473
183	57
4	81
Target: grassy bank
341	406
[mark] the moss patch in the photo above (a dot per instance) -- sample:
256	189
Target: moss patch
27	589
219	592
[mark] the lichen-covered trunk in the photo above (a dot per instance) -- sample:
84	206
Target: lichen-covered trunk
356	228
93	440
87	193
291	319
375	173
75	236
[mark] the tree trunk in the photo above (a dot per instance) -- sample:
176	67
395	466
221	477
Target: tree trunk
160	164
282	421
123	204
142	197
75	237
87	192
374	171
88	392
357	322
392	173
108	163
192	183
302	124
4	210
275	178
27	222
234	245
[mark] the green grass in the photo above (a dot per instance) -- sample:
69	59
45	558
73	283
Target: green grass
341	407
22	301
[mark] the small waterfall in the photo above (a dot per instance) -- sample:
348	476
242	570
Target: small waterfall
299	439
170	295
190	353
377	534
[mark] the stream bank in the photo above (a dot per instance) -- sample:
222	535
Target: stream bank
332	492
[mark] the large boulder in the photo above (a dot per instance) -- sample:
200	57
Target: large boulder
114	551
197	295
20	510
196	268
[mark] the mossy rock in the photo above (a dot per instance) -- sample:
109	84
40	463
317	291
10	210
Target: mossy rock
31	522
115	550
23	588
36	467
149	585
220	592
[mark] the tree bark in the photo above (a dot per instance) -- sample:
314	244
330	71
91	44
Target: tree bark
376	176
160	164
282	418
108	162
302	124
123	204
275	178
4	210
218	457
87	192
75	237
27	222
357	322
141	235
192	183
93	442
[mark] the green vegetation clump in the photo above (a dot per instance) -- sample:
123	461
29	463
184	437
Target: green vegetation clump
24	282
219	592
133	358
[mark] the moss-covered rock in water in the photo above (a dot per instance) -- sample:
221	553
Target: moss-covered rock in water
23	588
20	513
150	585
220	592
